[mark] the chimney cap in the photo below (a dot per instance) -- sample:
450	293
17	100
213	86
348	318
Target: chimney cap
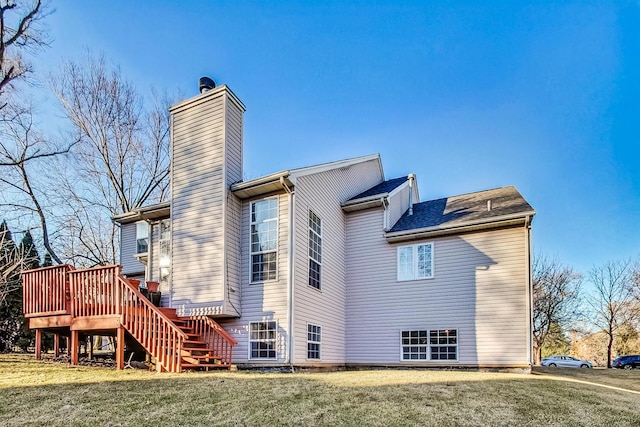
206	84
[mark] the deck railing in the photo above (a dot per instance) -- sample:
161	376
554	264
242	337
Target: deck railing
215	336
45	291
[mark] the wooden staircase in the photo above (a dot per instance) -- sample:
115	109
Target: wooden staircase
101	300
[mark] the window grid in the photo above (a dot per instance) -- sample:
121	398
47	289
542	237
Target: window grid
434	344
314	339
264	239
142	237
262	340
315	250
444	344
415	262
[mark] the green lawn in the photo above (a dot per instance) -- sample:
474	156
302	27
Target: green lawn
50	394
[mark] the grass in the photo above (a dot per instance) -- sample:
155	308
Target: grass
41	393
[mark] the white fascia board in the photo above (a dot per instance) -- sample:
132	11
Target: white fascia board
202	97
309	170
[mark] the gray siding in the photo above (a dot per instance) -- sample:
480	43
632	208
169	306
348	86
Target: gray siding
203	163
322	193
264	300
128	245
480	289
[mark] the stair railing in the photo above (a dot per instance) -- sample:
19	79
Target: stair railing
217	339
103	291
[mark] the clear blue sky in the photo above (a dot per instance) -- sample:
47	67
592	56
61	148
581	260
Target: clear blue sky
469	96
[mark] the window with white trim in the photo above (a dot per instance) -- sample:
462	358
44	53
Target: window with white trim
443	344
315	249
414	345
434	344
314	339
262	340
142	237
415	262
264	239
164	249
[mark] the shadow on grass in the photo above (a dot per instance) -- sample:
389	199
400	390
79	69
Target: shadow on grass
51	394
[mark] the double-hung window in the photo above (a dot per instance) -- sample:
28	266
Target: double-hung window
264	239
433	344
315	250
314	339
142	237
262	340
415	262
164	249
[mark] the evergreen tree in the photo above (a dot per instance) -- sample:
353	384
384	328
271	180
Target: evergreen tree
29	252
11	301
47	262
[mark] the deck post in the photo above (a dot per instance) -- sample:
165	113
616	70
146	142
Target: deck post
56	344
38	343
120	348
74	347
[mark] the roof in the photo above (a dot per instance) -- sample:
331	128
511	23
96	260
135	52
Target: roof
464	210
150	212
287	178
381	189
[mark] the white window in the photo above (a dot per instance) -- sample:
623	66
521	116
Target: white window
434	344
262	340
142	237
315	250
415	262
443	344
264	239
414	345
314	339
164	252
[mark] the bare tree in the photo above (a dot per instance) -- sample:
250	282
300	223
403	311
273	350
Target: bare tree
556	292
613	300
19	32
121	161
21	146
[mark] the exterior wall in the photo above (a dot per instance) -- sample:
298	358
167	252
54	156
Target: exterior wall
480	288
128	245
206	159
398	205
323	193
263	300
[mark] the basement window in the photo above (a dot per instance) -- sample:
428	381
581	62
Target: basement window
434	344
262	340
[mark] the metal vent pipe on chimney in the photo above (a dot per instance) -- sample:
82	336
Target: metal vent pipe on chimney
206	84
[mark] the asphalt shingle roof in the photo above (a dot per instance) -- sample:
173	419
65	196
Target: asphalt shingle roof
457	210
382	188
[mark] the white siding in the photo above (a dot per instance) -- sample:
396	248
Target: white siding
128	246
480	289
206	159
323	193
398	205
265	300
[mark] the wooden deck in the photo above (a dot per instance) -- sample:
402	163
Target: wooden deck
100	301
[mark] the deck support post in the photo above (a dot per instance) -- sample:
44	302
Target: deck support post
56	344
120	348
89	344
38	343
75	344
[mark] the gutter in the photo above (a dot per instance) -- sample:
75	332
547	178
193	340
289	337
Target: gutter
480	224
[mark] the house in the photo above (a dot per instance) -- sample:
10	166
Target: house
332	264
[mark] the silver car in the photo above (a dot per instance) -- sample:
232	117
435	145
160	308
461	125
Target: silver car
565	362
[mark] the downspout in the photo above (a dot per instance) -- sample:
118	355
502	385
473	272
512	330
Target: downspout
148	273
289	358
530	288
385	217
